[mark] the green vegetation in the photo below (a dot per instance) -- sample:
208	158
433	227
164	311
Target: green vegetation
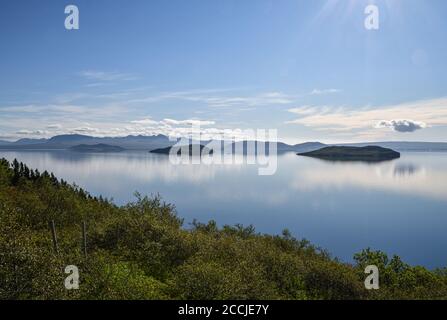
141	251
369	153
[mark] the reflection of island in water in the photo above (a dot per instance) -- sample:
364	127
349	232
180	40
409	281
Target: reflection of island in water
363	154
423	177
416	174
405	169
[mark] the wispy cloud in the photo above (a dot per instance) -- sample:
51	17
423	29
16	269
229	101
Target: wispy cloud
54	126
31	132
104	76
217	99
85	130
189	122
145	122
195	128
63	110
323	91
38	109
335	119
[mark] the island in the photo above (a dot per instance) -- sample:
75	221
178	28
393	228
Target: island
341	153
99	148
191	150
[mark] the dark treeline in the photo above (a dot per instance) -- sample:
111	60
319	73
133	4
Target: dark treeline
143	251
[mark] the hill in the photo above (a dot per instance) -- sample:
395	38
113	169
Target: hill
340	153
62	142
3	142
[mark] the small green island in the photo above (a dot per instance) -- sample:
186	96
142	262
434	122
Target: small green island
99	148
342	153
191	150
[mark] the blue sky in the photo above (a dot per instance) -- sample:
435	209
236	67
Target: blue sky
307	68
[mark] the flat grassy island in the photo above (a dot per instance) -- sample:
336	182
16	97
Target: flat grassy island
341	153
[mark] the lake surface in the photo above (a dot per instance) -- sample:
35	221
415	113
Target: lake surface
399	206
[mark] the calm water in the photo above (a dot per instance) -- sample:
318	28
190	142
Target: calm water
399	207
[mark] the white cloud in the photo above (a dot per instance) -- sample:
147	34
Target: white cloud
183	128
324	91
31	132
54	127
84	130
145	122
63	111
44	109
215	99
190	122
401	125
362	120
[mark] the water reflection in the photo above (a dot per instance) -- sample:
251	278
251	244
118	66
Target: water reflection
406	169
398	206
399	176
417	174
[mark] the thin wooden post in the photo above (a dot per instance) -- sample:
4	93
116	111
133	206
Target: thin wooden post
15	276
53	233
84	238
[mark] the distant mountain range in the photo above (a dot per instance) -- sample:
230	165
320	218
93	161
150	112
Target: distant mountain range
149	143
68	141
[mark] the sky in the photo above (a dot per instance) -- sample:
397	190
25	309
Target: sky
309	69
